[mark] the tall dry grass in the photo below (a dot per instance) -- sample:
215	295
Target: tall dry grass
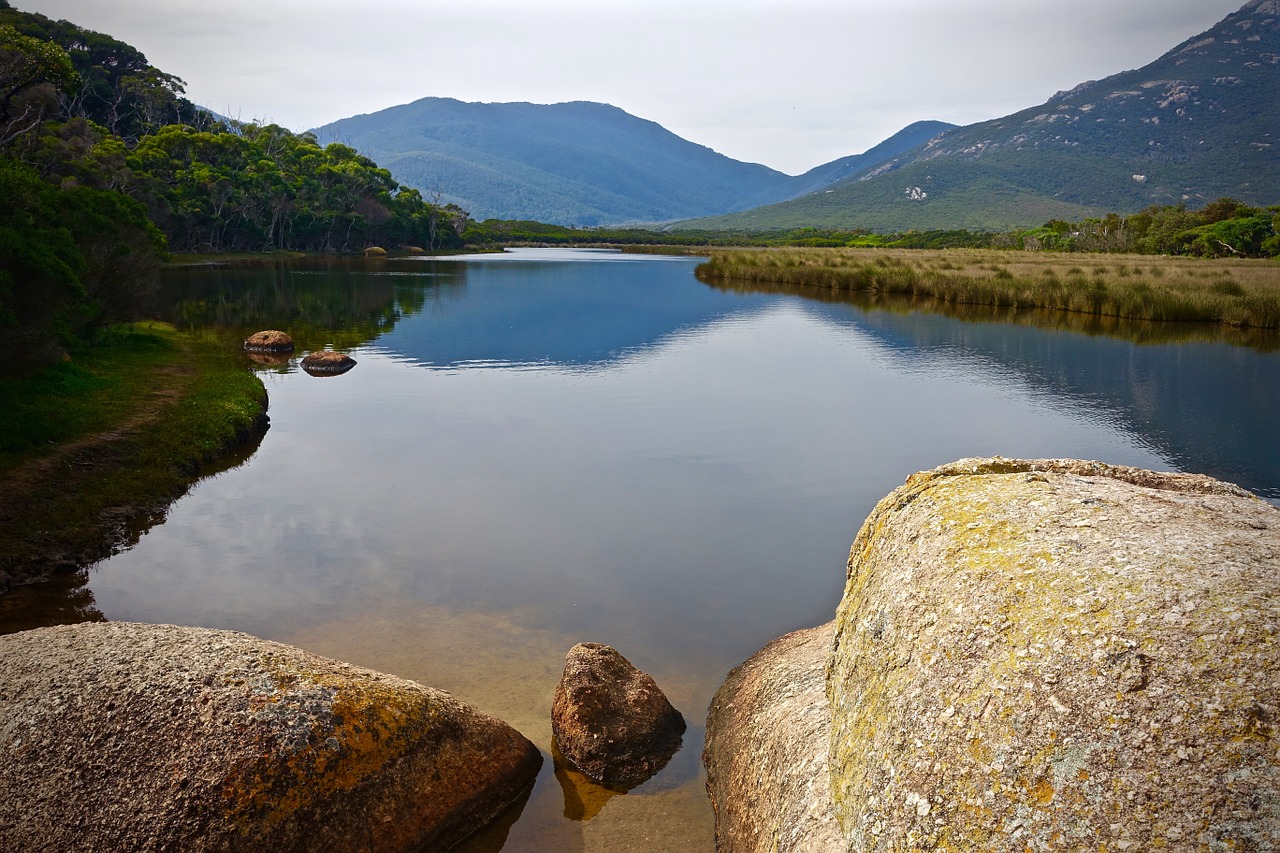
1240	293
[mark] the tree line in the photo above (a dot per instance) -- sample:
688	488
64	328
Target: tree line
105	167
1223	228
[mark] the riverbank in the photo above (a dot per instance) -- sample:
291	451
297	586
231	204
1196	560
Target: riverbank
92	447
1238	293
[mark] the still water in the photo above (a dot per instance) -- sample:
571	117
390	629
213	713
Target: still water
547	447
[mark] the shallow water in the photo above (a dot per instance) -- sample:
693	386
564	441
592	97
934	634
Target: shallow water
550	447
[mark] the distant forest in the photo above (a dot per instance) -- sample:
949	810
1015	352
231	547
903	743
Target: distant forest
1224	228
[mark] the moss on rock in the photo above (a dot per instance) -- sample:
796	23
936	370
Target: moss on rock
1059	655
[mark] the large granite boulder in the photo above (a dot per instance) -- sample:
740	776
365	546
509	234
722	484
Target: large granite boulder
610	720
117	736
766	750
1051	654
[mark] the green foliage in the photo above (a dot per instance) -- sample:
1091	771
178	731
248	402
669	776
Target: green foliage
255	188
32	72
111	83
1223	228
71	261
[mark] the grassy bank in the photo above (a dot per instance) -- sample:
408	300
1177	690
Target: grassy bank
1241	293
92	447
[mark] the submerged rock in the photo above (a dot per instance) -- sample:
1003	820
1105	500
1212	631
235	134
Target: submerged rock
1043	654
610	720
122	736
327	363
269	341
766	750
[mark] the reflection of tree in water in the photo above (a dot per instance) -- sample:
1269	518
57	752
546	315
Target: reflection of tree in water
341	303
1207	404
63	597
1134	331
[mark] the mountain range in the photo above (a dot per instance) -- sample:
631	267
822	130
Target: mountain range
578	163
1199	123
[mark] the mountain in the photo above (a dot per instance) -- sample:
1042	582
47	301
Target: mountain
578	163
1199	123
856	165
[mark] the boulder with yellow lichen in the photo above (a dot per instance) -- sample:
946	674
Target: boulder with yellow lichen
1051	654
119	736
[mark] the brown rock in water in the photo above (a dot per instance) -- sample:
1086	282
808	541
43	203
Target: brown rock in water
271	340
611	720
375	252
766	750
327	363
1047	654
121	736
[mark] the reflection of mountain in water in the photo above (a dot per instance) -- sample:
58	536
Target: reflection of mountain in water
1210	408
566	314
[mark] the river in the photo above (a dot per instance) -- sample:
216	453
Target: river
548	446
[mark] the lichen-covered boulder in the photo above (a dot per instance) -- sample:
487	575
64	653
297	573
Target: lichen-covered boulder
766	750
327	363
611	720
269	341
118	736
1059	655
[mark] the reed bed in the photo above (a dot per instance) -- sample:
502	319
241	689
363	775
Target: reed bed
1238	293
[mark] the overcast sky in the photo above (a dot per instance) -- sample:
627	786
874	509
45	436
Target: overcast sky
789	84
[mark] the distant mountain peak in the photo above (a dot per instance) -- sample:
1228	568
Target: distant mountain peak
576	162
1260	7
1196	124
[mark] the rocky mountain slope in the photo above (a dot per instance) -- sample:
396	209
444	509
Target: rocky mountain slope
1198	123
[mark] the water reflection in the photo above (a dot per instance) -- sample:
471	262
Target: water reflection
65	598
339	302
534	454
1194	393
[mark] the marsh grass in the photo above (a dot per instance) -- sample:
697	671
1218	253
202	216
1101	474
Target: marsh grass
111	435
1242	293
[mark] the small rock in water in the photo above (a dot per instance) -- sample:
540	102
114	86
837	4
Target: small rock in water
271	340
327	363
611	720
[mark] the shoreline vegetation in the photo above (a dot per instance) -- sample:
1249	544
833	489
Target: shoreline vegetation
94	449
1237	293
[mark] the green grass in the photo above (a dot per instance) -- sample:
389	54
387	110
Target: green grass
90	446
1237	293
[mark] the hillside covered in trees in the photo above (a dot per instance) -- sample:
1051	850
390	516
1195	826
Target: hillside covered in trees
105	166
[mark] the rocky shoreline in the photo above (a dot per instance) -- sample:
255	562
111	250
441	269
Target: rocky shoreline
1043	654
